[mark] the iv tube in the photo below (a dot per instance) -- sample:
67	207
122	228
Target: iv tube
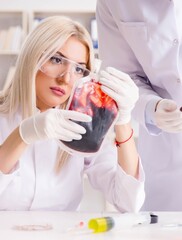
97	66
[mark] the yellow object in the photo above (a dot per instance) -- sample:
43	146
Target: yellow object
101	224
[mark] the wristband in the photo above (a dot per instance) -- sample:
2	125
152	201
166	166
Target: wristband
119	143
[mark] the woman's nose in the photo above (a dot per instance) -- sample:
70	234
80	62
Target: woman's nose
65	77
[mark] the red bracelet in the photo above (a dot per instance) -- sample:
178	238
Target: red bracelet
118	143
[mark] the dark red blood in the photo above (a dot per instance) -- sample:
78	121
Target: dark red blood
92	101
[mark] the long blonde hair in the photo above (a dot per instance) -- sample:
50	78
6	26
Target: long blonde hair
44	41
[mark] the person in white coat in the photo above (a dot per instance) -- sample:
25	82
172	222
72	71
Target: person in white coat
144	39
35	172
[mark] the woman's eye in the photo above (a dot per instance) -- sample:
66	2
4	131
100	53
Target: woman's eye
56	60
79	70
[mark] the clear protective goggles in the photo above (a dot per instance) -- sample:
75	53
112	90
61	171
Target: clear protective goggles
57	66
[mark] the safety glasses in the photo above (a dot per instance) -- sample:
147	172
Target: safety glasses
57	66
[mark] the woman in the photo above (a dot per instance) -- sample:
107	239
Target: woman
36	174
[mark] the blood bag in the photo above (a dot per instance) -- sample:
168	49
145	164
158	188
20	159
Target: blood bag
87	97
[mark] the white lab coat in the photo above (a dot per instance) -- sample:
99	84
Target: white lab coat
143	39
33	184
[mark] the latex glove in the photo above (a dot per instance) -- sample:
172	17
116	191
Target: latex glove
168	116
120	87
53	124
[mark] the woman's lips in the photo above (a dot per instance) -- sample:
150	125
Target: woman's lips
57	91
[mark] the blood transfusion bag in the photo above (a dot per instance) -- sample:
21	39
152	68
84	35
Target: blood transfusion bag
88	98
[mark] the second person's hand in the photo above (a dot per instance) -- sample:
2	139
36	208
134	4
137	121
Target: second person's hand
167	116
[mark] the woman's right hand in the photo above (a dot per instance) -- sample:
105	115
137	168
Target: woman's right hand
120	87
53	124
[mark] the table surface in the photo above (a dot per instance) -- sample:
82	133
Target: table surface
66	226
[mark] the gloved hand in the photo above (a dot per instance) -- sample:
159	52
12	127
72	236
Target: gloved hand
167	116
53	124
120	87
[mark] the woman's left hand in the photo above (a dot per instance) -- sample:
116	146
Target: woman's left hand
120	87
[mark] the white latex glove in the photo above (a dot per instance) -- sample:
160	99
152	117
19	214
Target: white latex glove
120	87
53	124
168	116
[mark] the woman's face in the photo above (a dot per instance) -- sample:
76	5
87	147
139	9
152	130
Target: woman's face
55	81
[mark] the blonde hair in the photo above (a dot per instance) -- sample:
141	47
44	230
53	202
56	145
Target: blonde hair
44	41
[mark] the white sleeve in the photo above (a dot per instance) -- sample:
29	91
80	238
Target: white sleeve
6	179
149	117
123	191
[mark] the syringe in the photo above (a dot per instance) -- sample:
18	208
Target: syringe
126	220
